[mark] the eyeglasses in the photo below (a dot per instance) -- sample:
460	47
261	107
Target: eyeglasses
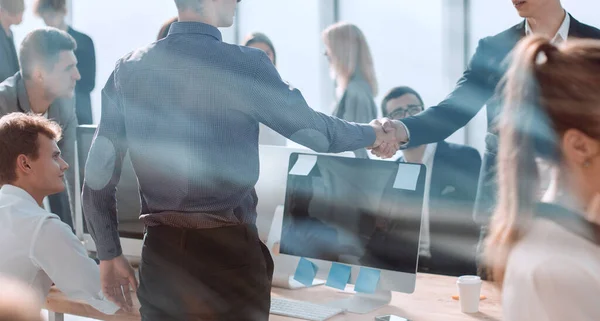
410	110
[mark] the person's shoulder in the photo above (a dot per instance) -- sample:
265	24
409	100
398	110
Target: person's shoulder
585	31
79	36
8	95
507	37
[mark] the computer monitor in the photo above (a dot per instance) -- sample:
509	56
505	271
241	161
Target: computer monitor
270	187
359	212
131	229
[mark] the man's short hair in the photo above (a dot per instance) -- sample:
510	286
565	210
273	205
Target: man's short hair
398	92
195	5
13	6
43	46
43	6
19	136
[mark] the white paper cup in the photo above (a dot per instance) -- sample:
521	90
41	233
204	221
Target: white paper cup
469	290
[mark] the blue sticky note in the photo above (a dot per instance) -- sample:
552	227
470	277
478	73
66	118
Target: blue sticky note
305	272
367	280
339	275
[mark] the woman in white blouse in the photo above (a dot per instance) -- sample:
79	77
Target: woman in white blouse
545	255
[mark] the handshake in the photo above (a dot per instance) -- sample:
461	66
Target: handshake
390	134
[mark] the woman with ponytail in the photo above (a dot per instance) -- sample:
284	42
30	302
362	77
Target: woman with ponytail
545	256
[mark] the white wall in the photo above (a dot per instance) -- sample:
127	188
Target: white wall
30	22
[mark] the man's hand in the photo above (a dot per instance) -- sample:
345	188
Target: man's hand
118	281
390	134
385	145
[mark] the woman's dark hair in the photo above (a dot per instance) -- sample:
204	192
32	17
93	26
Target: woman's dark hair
258	37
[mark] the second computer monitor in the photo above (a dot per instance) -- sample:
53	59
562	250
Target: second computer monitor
360	212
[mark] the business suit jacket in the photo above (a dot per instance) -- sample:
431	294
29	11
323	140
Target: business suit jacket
14	98
86	64
475	89
9	63
357	105
453	234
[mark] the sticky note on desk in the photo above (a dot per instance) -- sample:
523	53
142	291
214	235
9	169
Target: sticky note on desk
367	280
304	165
305	272
407	176
339	275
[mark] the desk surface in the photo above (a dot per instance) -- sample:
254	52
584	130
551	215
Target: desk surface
432	301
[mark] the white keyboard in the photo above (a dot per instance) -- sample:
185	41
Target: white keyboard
302	310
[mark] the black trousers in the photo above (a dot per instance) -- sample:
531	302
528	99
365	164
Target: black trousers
211	274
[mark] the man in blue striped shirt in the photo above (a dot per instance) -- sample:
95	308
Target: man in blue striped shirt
187	108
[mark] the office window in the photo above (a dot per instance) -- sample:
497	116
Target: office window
30	23
294	28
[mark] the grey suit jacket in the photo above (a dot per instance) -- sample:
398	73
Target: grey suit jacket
13	98
9	63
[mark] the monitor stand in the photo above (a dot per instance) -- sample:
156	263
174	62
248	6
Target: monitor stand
362	303
286	281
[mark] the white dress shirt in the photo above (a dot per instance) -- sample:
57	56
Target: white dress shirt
563	31
552	275
38	249
425	238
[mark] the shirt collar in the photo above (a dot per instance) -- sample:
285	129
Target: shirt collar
563	31
195	27
18	192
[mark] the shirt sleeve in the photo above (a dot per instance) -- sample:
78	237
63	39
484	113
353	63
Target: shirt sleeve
282	108
58	252
102	174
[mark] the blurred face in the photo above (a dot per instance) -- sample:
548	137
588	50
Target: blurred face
60	81
11	18
403	106
225	10
46	174
530	8
53	18
264	47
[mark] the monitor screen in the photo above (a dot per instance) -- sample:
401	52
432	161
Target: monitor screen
354	211
128	195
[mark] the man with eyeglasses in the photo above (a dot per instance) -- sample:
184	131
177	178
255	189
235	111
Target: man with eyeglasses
448	234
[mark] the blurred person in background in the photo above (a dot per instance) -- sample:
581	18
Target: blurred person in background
11	14
546	255
54	13
351	66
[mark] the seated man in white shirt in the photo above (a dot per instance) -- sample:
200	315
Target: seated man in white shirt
35	246
448	234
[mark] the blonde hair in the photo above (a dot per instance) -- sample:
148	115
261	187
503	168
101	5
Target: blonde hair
547	91
18	302
349	53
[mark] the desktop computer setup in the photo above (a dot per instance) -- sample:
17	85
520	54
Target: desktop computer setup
325	209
